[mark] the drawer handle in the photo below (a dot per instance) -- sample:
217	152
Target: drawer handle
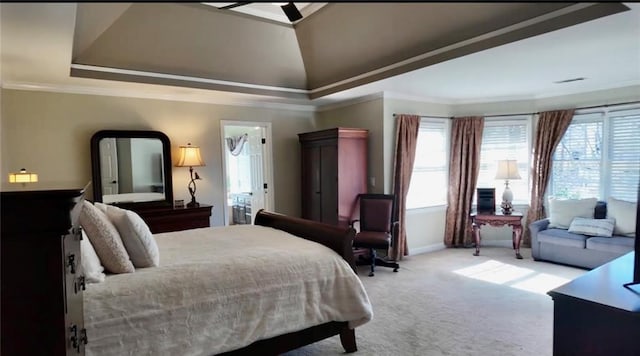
71	263
73	330
79	284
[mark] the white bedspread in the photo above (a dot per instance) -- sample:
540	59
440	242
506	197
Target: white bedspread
219	289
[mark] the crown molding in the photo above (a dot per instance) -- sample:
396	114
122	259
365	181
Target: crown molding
145	94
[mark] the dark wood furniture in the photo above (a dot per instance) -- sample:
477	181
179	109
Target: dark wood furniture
41	283
336	238
378	229
166	219
334	172
498	219
595	314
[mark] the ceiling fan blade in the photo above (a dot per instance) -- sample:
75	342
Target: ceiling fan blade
292	12
234	5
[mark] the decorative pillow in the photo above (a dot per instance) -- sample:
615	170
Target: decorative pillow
105	239
89	261
135	234
592	227
625	214
562	212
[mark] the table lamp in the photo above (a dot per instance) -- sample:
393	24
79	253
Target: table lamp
507	169
190	157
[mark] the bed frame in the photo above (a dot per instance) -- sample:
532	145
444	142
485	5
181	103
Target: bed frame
339	239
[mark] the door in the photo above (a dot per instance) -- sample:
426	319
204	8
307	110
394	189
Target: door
108	166
247	169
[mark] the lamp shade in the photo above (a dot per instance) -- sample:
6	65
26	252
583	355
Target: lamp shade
189	156
508	169
23	177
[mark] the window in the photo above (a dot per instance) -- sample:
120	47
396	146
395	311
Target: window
577	160
598	156
429	178
505	138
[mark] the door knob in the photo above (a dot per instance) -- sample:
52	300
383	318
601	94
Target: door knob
113	182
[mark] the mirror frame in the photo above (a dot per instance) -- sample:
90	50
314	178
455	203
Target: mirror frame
166	155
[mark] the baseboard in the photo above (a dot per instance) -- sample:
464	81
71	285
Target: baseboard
424	249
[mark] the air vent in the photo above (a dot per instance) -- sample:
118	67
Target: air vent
570	80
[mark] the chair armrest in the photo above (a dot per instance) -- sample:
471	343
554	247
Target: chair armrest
534	228
353	222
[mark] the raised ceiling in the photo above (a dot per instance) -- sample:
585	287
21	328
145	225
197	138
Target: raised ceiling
338	47
40	42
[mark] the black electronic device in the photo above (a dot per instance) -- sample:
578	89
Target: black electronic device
486	200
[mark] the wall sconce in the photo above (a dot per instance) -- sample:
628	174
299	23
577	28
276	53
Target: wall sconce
190	157
23	177
507	169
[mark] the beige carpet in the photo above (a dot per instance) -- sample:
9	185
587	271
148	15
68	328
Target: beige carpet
452	303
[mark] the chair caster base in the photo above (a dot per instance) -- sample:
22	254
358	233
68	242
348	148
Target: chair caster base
371	274
395	270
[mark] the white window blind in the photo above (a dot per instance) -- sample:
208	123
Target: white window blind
624	155
429	178
599	156
577	160
505	139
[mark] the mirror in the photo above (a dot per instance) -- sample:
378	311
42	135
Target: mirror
131	167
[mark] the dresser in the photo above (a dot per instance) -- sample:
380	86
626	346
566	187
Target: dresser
42	285
334	172
595	314
168	218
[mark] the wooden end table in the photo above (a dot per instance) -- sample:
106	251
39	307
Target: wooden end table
498	219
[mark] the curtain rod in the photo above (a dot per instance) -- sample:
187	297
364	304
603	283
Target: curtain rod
536	113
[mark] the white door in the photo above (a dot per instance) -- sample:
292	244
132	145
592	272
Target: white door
247	171
108	166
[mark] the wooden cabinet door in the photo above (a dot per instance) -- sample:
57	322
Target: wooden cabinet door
329	183
311	198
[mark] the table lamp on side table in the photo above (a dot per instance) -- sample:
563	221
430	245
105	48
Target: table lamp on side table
507	169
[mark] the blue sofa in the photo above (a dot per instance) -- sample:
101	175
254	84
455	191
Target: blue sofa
561	246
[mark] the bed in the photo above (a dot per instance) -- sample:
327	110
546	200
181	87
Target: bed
248	289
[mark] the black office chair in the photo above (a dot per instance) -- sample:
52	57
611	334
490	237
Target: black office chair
377	228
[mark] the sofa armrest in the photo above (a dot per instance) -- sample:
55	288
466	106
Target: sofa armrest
534	228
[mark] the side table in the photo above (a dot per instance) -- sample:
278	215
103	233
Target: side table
498	219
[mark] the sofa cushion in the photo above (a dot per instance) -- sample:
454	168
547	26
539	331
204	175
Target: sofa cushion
562	212
625	214
562	237
616	244
592	227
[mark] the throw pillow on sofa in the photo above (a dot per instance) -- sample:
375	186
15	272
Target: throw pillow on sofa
592	227
624	212
562	212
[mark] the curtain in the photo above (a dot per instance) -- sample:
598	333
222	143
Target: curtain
406	142
235	144
464	167
550	129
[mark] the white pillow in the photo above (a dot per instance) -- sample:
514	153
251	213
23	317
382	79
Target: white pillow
105	239
625	214
89	261
136	236
562	212
592	227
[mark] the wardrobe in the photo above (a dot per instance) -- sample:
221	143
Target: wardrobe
334	172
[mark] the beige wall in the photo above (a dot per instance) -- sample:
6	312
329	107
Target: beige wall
49	133
366	115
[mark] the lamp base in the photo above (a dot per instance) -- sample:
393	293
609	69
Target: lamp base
507	207
193	204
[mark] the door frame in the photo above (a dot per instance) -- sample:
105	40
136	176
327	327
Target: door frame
267	162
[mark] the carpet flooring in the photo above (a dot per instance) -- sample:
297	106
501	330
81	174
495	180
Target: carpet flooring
449	302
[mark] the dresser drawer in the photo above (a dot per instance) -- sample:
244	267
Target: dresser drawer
176	219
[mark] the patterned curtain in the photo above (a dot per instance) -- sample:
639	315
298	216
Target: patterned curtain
406	142
551	127
464	167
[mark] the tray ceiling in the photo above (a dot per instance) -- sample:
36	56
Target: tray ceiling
338	47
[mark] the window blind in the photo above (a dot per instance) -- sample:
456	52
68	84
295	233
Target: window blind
428	185
624	155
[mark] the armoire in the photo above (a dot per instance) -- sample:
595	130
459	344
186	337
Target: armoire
334	172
